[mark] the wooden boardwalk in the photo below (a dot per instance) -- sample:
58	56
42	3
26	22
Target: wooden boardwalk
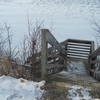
55	57
73	78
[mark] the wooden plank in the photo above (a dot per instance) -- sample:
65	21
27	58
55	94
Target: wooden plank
47	37
53	60
74	58
78	50
78	44
52	41
92	47
77	59
75	47
54	68
94	61
53	56
76	55
79	41
95	53
44	54
55	65
82	53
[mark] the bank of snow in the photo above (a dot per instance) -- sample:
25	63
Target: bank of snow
19	89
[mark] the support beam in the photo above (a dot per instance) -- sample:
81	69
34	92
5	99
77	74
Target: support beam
44	54
47	37
52	41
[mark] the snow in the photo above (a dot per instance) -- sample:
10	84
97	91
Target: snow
77	67
79	93
19	89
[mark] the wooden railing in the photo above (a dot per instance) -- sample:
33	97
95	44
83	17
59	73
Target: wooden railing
53	59
78	49
50	61
94	64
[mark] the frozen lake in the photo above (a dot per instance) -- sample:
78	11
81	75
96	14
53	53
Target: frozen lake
66	18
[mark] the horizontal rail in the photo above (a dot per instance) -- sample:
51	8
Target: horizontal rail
79	41
78	44
74	58
81	53
54	68
52	41
76	55
76	47
78	50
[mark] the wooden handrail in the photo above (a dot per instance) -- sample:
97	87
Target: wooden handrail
48	38
94	64
95	53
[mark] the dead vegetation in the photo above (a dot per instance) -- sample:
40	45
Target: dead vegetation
15	62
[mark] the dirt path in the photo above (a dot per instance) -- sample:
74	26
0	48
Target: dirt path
64	86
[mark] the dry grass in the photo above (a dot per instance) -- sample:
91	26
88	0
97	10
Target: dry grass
22	81
14	70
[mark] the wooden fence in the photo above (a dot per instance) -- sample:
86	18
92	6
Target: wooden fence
48	59
53	60
78	49
94	64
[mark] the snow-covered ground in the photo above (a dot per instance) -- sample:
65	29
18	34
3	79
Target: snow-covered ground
77	67
79	93
19	89
66	18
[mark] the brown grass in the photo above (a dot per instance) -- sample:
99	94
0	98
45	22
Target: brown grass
14	70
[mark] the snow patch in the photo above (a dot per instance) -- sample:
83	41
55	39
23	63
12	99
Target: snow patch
79	93
77	67
19	89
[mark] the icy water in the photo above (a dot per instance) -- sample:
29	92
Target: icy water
65	18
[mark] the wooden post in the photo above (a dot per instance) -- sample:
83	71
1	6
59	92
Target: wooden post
44	54
92	47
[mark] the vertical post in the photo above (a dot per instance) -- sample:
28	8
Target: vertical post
91	59
66	60
44	53
92	47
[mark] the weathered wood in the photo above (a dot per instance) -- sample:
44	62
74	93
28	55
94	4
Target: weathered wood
78	55
51	59
54	68
52	41
79	41
47	37
83	53
78	47
72	58
94	63
92	48
95	53
78	44
78	50
44	53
